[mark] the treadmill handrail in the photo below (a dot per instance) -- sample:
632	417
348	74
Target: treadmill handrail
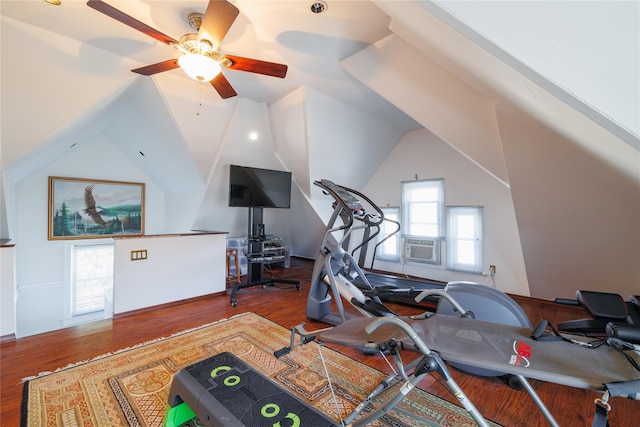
344	206
366	217
387	237
368	200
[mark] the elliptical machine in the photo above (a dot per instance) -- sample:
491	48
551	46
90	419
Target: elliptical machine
330	274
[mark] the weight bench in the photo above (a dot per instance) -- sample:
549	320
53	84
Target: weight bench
610	315
521	351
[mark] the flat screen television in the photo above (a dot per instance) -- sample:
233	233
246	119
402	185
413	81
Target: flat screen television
259	188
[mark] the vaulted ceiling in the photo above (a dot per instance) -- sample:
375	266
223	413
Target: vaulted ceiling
504	83
313	46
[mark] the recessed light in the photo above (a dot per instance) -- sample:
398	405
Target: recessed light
318	6
253	136
54	2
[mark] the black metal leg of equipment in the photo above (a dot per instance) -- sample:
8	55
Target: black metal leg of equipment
255	278
256	256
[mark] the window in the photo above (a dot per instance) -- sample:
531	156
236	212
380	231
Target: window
91	277
423	227
390	248
422	208
464	238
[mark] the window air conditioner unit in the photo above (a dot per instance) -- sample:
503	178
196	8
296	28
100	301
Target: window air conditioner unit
422	250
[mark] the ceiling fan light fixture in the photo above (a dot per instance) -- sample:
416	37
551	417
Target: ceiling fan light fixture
200	56
199	67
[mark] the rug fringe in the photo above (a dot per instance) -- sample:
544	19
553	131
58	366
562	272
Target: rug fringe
122	350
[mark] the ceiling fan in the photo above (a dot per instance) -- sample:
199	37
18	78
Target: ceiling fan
201	58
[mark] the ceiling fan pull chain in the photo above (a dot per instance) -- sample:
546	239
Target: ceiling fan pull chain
199	98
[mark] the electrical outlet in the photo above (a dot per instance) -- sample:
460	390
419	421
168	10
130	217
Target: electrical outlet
492	269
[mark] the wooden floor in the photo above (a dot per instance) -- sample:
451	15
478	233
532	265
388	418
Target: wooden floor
285	305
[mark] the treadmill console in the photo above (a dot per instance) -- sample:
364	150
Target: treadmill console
354	205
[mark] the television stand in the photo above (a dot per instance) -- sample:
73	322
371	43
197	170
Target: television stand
261	249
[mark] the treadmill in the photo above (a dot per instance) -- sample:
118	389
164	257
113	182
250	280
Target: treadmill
347	206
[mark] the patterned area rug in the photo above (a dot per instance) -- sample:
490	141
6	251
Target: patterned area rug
131	387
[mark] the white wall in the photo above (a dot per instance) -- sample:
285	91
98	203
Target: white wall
318	137
7	291
4	224
289	125
493	112
40	263
423	154
346	145
41	291
237	148
313	136
177	268
433	96
578	217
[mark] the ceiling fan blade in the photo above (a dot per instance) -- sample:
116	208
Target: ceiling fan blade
223	87
152	69
218	18
257	66
118	15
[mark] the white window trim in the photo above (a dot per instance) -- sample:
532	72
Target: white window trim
406	221
68	318
398	252
451	241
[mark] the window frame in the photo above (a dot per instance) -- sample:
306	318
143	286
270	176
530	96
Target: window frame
71	317
453	238
389	211
408	229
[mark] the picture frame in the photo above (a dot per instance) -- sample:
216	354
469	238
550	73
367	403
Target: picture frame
82	208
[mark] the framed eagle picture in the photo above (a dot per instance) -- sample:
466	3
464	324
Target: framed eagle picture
91	208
